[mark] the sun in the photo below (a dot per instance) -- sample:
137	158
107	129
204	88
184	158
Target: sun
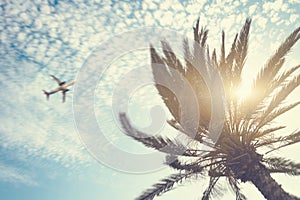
242	92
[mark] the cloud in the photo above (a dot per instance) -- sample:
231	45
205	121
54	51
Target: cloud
261	22
293	18
252	9
15	176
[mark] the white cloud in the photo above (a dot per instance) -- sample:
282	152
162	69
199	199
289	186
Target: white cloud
261	22
284	7
146	5
149	19
228	22
293	17
166	18
274	17
45	9
21	36
275	6
252	9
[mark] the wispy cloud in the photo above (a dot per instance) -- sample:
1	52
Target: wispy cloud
15	176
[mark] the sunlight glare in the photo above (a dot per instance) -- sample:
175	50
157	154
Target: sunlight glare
242	92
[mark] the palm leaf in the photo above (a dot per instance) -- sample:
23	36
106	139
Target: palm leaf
159	69
164	186
173	162
200	36
241	51
281	95
170	58
283	165
285	141
259	119
179	96
165	145
211	188
185	84
268	131
265	119
260	88
234	186
283	77
222	58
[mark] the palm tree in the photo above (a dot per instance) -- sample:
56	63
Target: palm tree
247	125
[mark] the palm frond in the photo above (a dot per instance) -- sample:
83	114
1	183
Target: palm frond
183	85
231	55
211	189
262	119
231	68
200	36
165	145
283	77
283	165
201	90
186	90
235	188
214	58
199	136
260	88
194	167
159	71
281	95
285	141
170	58
222	58
241	51
268	131
164	186
267	118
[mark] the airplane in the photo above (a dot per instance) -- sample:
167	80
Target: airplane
63	86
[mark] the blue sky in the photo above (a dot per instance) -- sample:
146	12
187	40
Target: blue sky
42	155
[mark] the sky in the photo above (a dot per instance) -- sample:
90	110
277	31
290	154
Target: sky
53	150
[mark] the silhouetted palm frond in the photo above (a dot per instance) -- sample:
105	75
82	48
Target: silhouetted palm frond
261	88
234	186
282	165
164	185
156	142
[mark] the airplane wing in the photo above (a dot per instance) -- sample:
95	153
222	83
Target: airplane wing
59	82
69	84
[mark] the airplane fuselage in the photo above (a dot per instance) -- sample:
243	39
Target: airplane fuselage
62	88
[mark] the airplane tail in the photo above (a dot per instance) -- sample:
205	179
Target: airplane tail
47	94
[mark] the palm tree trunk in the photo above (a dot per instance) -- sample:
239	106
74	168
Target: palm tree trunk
263	181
